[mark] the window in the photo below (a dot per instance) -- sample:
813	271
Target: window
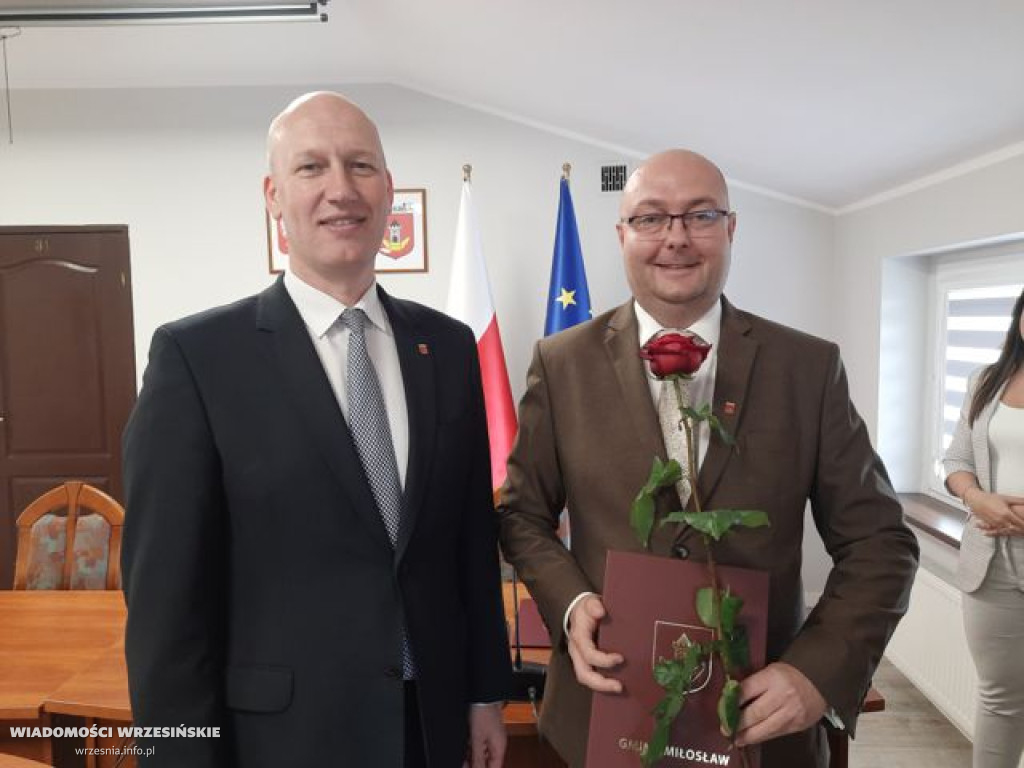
974	321
943	314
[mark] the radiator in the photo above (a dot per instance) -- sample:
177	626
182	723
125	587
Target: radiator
930	649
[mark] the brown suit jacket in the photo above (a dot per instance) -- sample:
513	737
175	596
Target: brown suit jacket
588	432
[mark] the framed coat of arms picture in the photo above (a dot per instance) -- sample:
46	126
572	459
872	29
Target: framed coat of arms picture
402	249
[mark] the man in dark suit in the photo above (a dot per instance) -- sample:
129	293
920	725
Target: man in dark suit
589	428
310	552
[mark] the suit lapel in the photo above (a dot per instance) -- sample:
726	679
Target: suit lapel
623	345
736	354
310	393
419	381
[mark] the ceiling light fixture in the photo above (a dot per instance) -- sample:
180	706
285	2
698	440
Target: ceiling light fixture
67	13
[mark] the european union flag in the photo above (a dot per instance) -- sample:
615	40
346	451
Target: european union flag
568	297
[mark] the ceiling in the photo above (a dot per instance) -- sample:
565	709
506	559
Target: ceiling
827	102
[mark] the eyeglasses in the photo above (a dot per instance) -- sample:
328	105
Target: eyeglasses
654	226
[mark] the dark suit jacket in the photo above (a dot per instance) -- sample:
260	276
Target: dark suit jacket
264	595
588	432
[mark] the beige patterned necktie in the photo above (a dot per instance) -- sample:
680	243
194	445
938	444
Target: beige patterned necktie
672	429
672	425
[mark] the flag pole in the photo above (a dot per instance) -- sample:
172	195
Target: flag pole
565	171
467	172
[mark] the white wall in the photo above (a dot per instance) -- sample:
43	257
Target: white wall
183	169
980	205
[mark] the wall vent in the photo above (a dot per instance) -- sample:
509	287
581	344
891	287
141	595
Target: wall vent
613	178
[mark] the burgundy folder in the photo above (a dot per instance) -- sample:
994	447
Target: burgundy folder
651	602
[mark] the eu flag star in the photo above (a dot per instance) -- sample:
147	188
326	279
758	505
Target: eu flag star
567	298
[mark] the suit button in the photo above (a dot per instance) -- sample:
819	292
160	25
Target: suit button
681	551
393	673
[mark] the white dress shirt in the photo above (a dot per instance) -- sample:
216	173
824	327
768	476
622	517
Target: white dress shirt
320	313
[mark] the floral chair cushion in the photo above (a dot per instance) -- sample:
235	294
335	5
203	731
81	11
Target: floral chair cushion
46	552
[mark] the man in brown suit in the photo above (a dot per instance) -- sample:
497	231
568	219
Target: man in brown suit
589	429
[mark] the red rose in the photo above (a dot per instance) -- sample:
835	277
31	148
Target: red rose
674	354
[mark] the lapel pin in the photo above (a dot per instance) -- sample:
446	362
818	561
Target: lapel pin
729	408
423	349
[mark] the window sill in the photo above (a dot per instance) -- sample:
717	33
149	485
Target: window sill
943	521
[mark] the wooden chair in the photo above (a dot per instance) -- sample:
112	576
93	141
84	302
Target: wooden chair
70	538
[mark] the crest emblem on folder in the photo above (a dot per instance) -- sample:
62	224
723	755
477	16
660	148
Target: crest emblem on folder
668	635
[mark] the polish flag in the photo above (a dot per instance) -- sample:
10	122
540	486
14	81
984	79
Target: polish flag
469	300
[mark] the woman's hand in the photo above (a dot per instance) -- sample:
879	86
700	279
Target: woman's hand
996	514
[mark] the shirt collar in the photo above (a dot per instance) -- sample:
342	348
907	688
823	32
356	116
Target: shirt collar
708	326
319	311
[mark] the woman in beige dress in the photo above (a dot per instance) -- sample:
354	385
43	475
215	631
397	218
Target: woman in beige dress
985	469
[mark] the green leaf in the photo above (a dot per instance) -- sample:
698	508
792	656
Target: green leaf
691	661
722	432
729	708
668	673
641	517
706	607
676	702
650	485
660	708
670	706
657	743
679	516
665	713
735	649
731	605
717	522
674	675
664	474
691	414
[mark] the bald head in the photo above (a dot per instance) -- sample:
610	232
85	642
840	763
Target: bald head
680	166
323	107
330	190
676	271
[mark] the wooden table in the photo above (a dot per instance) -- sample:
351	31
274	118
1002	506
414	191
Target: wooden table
46	638
99	690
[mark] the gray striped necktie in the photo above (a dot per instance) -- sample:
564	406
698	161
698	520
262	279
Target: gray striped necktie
368	422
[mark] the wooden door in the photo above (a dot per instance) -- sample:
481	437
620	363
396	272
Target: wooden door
67	364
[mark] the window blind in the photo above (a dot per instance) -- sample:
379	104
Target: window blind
976	323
